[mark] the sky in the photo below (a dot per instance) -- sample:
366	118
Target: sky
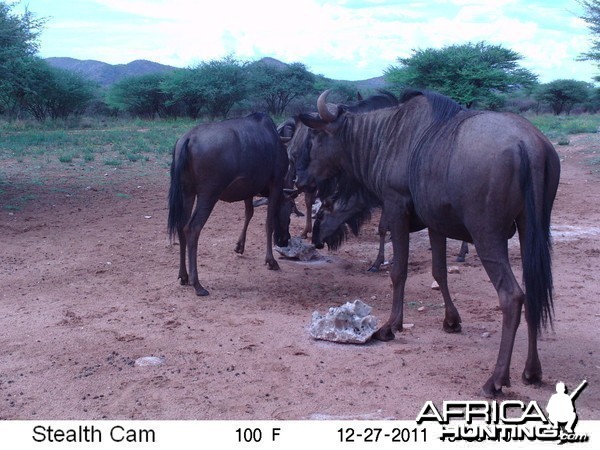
340	39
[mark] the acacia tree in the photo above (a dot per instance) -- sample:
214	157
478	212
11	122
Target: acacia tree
592	18
185	87
18	46
212	87
277	86
140	96
223	83
469	73
563	95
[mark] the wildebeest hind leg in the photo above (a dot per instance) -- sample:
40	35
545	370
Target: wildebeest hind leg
464	249
493	253
192	230
183	275
440	274
188	205
249	212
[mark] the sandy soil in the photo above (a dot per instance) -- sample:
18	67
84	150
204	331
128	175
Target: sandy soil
88	284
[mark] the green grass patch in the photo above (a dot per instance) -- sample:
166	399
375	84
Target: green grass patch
132	140
559	127
19	202
66	158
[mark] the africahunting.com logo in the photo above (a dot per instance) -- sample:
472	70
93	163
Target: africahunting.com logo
510	420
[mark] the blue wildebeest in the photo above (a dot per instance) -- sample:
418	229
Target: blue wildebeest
469	175
300	138
232	161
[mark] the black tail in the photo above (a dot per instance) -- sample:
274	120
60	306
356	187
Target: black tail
177	213
537	258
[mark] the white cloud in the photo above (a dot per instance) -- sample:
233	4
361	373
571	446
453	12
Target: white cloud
350	39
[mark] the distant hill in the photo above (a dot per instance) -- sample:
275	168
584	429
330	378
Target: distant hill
107	74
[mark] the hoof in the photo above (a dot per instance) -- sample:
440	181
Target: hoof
452	328
489	390
532	378
373	269
272	265
384	335
201	292
460	259
184	281
239	248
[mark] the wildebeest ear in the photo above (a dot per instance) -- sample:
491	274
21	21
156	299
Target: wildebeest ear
316	123
313	122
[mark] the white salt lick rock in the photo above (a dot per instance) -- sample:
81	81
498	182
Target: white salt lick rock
298	249
350	323
145	361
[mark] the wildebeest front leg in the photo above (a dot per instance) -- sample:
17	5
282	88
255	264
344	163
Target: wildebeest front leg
440	274
271	211
309	200
398	273
382	230
249	212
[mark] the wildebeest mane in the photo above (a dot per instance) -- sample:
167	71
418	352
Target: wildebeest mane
383	99
442	107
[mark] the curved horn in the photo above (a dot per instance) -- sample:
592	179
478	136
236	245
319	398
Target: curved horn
324	112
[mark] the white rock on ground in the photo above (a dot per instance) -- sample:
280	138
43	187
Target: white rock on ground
149	361
298	249
350	323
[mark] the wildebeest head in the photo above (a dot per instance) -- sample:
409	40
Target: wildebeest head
312	131
320	134
337	215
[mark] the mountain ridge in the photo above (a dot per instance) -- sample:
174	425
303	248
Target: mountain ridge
107	74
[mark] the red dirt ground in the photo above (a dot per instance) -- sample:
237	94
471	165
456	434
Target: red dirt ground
88	284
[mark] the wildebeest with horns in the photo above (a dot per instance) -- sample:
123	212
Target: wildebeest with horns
232	161
299	133
469	175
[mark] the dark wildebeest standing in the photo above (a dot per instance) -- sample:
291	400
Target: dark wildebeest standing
300	138
300	133
468	175
232	161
